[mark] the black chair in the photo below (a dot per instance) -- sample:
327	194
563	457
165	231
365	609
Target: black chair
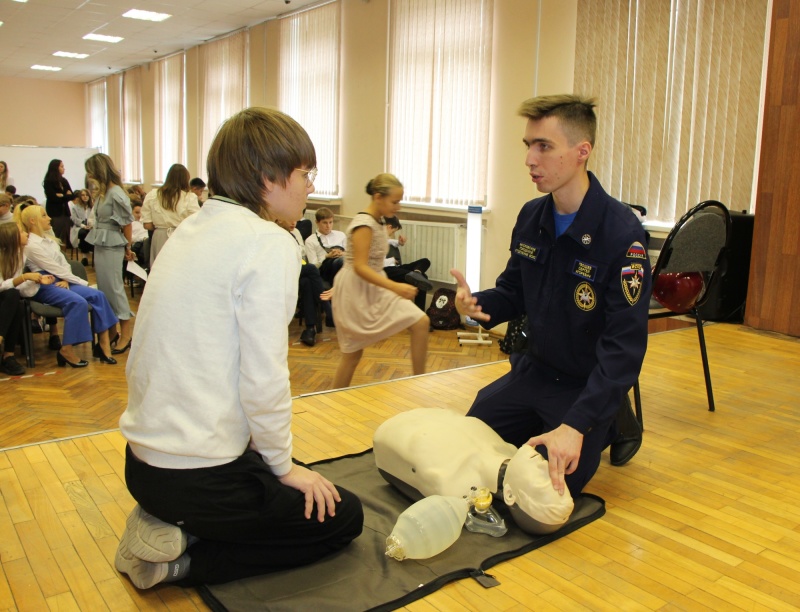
31	306
697	243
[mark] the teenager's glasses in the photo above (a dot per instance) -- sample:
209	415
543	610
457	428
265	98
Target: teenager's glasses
310	175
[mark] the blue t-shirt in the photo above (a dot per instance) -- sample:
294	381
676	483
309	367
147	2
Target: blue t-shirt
563	222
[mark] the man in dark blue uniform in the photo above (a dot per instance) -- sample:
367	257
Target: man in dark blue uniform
579	270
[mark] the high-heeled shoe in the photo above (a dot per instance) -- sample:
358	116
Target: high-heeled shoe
62	361
99	354
119	351
113	340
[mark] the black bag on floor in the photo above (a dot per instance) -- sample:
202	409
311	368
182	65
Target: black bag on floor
442	311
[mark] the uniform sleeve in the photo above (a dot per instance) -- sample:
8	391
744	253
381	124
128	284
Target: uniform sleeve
265	300
621	347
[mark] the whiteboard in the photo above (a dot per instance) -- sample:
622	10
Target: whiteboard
28	165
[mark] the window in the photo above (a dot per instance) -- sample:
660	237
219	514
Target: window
169	111
98	122
223	86
439	85
309	84
678	99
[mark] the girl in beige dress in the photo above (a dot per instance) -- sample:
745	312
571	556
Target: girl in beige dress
369	307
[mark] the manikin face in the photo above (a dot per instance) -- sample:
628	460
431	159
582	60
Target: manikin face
389	204
553	163
325	226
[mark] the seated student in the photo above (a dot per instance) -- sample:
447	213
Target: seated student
325	247
10	191
209	415
80	209
6	215
70	293
198	187
311	288
138	237
412	273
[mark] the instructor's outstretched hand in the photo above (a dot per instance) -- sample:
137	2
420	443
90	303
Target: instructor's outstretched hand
465	303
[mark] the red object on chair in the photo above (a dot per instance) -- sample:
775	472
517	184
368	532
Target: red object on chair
678	291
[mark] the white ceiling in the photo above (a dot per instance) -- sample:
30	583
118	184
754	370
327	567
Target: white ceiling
34	30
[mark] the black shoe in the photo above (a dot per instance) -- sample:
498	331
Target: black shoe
113	341
309	336
629	440
36	327
11	366
62	361
54	343
99	354
84	261
419	281
119	351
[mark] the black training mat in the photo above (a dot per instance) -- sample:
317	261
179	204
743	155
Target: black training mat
361	577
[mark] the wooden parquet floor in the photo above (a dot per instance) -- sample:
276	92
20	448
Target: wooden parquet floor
706	516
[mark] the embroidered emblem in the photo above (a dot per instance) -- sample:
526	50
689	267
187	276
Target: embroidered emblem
527	251
584	270
586	239
636	251
584	297
632	278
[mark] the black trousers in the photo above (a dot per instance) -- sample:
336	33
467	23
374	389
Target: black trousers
529	401
10	318
311	286
329	268
247	522
398	275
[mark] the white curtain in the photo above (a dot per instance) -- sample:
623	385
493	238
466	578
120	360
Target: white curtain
170	129
309	84
98	116
131	163
223	89
677	84
439	86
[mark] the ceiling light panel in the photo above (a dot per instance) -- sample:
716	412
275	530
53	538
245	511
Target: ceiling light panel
71	55
146	15
50	68
103	38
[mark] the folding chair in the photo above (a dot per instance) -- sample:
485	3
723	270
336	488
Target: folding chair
697	244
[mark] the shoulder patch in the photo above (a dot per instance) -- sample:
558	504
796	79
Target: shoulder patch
636	251
632	278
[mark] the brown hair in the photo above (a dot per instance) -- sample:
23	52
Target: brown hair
255	145
575	114
323	213
383	184
177	182
10	250
101	168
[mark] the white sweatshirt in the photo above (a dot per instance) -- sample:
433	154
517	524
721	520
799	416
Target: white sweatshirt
208	367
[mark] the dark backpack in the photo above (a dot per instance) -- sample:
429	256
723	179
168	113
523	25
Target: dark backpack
442	311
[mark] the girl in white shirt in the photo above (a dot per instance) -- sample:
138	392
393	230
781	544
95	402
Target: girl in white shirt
164	208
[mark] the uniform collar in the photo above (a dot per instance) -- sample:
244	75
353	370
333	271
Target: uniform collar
590	214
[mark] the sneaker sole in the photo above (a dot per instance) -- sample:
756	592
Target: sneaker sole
143	574
151	539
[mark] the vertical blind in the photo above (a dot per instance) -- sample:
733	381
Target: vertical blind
439	86
98	126
677	85
309	84
223	88
131	163
170	127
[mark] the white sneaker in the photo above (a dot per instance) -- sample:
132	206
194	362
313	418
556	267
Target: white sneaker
143	574
151	539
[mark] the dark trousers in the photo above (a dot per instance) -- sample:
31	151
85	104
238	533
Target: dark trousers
10	318
529	401
311	286
398	275
247	522
329	268
83	246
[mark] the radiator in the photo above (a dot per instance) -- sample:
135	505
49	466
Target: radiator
445	244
